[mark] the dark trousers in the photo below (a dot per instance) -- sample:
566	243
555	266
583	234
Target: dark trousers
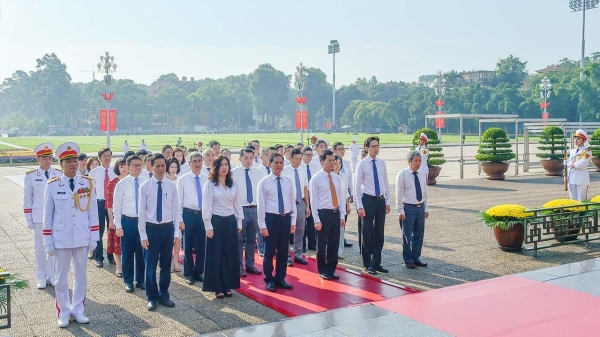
221	270
279	228
372	230
132	252
194	238
413	230
328	242
103	222
247	237
310	233
160	250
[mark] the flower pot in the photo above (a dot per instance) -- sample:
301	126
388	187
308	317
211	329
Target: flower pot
434	171
553	167
596	161
564	230
494	171
510	240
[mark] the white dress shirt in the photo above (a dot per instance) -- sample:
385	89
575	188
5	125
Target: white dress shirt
143	146
145	173
187	192
364	181
239	177
98	174
147	205
183	169
124	199
221	201
345	181
320	194
354	150
205	170
256	162
268	201
265	171
405	189
314	168
286	162
289	172
347	170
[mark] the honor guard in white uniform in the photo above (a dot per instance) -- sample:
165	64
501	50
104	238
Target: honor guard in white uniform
577	165
33	207
70	229
424	151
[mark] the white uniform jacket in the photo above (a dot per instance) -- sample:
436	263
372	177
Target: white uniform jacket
579	175
33	193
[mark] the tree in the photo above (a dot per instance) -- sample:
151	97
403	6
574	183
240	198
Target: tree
269	88
169	77
511	70
173	103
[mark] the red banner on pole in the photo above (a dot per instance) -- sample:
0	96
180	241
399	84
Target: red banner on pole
103	120
301	119
298	119
440	123
304	120
112	120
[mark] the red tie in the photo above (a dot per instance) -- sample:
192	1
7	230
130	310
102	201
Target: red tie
106	178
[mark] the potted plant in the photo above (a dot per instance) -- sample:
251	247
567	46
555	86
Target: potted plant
507	221
552	140
435	160
565	229
494	152
595	148
6	281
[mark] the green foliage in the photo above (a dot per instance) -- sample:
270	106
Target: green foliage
436	157
553	141
495	147
504	223
15	283
595	143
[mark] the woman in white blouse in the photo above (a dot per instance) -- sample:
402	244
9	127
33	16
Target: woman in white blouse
223	214
346	196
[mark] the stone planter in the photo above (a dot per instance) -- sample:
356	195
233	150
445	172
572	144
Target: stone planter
564	230
494	171
434	171
553	167
510	240
596	161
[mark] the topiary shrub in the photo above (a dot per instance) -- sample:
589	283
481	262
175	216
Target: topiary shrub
553	141
595	143
495	147
436	157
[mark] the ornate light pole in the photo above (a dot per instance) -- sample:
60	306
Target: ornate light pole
545	91
107	66
333	48
300	82
439	85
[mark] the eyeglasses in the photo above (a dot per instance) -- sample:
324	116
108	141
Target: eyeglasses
136	165
374	146
196	161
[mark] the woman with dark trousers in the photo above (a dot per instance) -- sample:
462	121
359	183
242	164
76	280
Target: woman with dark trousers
223	214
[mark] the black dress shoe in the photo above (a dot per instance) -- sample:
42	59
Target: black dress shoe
151	305
129	287
381	269
300	260
371	270
166	302
99	264
290	263
199	278
325	277
348	245
253	270
189	280
411	266
283	284
141	285
271	286
334	276
420	264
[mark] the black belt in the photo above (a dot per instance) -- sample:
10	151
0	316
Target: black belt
101	200
129	217
159	225
195	211
415	205
279	215
335	210
249	206
374	197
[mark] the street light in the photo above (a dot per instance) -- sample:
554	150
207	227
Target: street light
333	48
107	66
439	85
545	92
582	6
300	83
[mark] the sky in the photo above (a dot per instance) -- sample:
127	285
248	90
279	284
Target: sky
394	40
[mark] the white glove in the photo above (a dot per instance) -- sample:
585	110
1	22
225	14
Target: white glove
29	225
92	246
50	250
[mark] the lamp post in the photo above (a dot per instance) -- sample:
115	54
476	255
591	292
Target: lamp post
582	6
107	66
545	91
439	85
300	82
333	48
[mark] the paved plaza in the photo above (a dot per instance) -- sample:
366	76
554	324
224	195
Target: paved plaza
458	248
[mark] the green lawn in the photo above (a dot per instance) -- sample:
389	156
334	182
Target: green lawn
155	142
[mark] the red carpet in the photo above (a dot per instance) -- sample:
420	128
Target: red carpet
505	306
312	294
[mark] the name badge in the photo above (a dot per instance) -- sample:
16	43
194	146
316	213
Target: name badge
38	180
61	193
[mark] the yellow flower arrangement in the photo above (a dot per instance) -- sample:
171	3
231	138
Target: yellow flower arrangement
505	216
595	199
563	203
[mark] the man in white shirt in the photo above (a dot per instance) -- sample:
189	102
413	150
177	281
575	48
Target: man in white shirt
189	189
215	146
102	175
256	161
354	149
276	219
320	146
311	167
340	151
147	164
411	204
298	177
325	199
287	154
247	178
372	198
143	145
209	158
158	221
125	211
125	147
265	155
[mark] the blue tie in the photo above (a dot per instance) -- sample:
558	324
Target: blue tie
279	195
418	186
298	188
159	203
72	184
248	187
137	194
198	192
308	172
47	175
342	169
376	178
268	169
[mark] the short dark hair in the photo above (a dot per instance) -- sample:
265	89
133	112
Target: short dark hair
295	152
164	148
300	143
368	140
307	148
213	176
251	147
253	141
213	143
275	155
129	153
192	149
278	146
82	156
320	141
103	150
288	146
118	164
336	144
324	155
132	158
171	161
156	157
223	151
246	150
273	148
142	152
